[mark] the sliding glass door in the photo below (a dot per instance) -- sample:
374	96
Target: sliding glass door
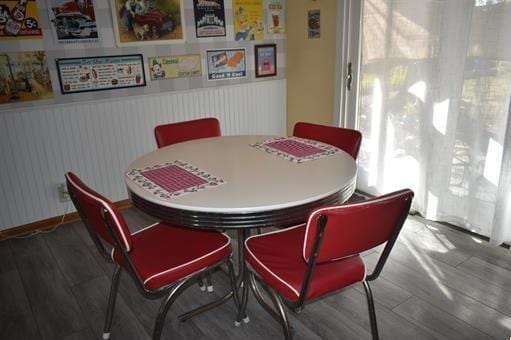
432	102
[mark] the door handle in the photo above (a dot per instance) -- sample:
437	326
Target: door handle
349	77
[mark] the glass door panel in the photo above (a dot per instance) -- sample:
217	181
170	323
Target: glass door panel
432	104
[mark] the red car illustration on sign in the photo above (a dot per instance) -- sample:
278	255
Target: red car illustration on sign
74	19
151	23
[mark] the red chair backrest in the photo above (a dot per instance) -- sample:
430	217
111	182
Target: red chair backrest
356	227
169	134
90	204
345	139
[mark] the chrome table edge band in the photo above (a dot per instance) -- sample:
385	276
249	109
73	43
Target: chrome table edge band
285	217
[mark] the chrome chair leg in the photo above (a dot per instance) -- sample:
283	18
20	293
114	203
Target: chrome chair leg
279	305
111	302
233	293
372	313
260	298
200	282
242	311
208	286
165	306
209	283
199	310
234	286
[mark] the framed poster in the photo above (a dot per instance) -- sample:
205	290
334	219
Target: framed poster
178	66
209	18
226	63
100	73
265	60
314	24
148	22
19	20
248	19
24	76
276	18
73	21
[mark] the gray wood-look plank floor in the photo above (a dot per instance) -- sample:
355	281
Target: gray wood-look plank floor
439	283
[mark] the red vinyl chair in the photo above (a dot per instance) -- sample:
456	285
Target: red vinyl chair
160	258
345	139
300	264
173	133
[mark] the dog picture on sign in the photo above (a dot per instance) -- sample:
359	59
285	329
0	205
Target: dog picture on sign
148	22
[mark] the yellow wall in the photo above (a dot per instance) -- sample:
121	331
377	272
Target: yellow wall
310	63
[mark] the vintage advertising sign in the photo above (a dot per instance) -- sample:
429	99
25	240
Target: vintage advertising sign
248	19
100	73
276	18
266	60
226	63
73	21
178	66
19	19
209	18
314	24
148	22
24	76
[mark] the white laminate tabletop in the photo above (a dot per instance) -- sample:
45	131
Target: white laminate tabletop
255	181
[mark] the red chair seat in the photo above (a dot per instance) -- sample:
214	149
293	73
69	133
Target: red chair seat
163	254
277	258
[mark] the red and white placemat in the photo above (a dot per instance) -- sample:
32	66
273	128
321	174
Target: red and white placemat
173	179
297	150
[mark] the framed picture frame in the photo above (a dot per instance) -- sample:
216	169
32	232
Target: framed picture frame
226	63
314	23
175	66
265	60
19	21
148	22
276	17
248	17
209	18
73	22
87	74
24	76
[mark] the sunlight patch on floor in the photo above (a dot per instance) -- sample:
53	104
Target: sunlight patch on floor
430	268
432	227
447	244
476	240
506	323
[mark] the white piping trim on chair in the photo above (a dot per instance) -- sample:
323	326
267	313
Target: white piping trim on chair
262	264
276	231
145	228
107	207
189	262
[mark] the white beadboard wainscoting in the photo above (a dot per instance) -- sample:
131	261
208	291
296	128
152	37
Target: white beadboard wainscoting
98	140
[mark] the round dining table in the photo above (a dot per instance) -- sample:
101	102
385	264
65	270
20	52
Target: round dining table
252	187
258	190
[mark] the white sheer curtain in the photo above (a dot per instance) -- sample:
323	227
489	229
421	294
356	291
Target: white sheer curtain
434	108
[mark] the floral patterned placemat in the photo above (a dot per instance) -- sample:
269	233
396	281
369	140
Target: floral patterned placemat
173	179
296	150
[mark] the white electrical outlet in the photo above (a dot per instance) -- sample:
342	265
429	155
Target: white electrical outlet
63	193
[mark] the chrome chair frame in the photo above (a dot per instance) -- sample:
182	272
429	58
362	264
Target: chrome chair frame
278	311
171	291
